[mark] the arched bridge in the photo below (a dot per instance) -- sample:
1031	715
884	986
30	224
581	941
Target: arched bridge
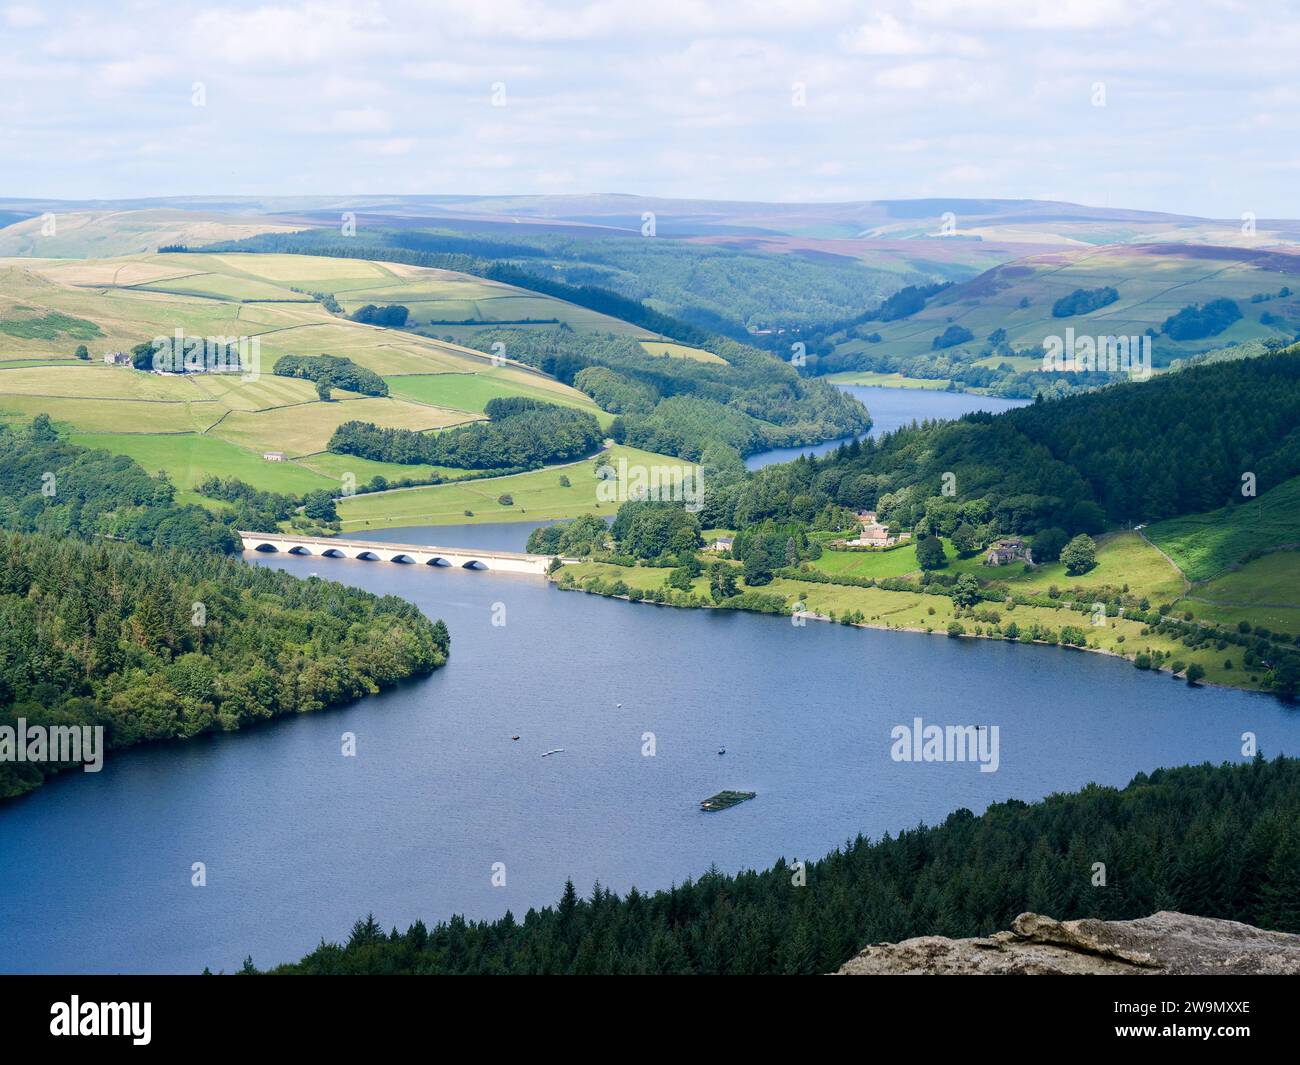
417	554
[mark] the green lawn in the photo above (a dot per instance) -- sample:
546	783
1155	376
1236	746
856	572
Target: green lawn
335	466
1123	558
893	563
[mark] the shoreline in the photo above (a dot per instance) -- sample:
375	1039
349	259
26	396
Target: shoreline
552	578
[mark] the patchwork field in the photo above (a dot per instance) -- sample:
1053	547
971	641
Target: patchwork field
196	425
1154	281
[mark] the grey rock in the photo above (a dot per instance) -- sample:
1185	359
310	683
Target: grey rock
1165	942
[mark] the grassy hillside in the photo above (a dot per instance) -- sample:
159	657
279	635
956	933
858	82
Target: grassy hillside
1205	545
196	426
1153	282
84	234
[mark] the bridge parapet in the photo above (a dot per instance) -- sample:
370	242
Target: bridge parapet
380	551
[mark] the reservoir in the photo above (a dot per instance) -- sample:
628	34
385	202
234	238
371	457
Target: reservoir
441	811
893	408
298	841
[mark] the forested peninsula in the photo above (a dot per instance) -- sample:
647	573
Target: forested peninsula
120	609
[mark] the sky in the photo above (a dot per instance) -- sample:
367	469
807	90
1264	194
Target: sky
1189	107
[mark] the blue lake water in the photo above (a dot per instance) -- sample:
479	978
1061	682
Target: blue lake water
893	408
299	841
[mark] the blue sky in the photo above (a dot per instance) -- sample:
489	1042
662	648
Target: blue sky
797	100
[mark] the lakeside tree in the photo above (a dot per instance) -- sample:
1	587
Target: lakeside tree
757	570
722	581
319	505
655	530
1079	555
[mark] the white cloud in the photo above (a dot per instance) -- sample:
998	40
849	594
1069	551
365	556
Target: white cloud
362	120
23	17
903	98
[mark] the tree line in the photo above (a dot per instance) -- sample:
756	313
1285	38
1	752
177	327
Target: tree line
333	370
1180	444
749	401
526	435
52	486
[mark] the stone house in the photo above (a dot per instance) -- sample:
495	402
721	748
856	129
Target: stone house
1012	549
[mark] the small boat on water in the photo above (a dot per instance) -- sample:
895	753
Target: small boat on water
514	737
553	750
722	750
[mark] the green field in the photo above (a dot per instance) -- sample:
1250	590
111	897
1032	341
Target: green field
226	421
869	378
189	459
1204	545
680	351
894	563
538	496
472	391
1122	558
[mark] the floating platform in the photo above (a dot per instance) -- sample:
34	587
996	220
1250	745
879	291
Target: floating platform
724	800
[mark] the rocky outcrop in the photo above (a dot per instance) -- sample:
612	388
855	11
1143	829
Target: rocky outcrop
1165	943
